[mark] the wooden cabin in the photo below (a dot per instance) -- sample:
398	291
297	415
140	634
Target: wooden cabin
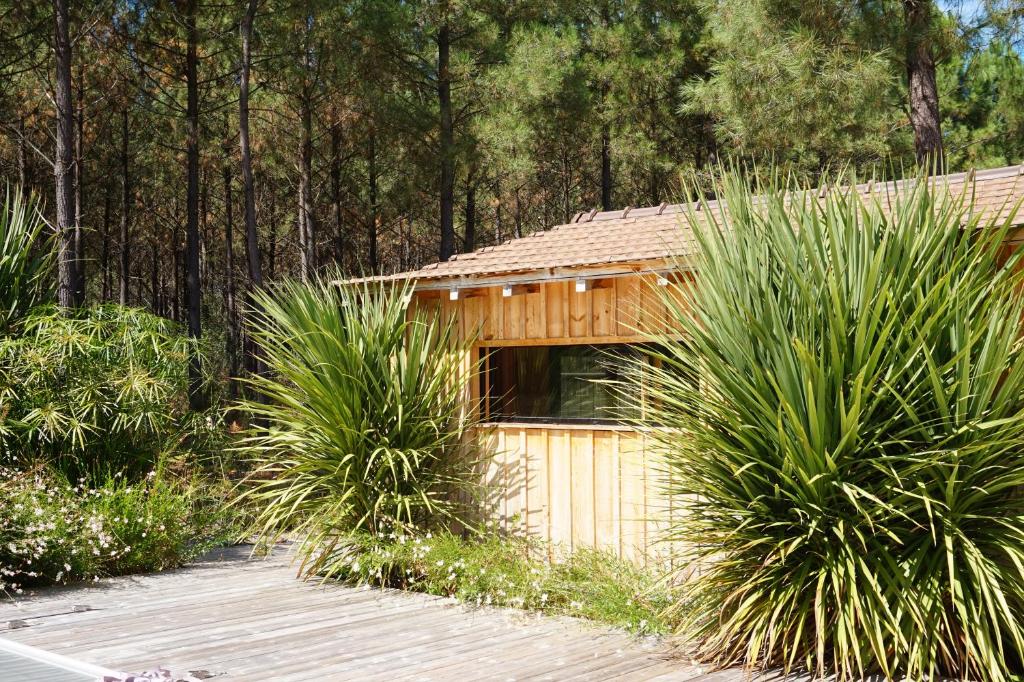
539	308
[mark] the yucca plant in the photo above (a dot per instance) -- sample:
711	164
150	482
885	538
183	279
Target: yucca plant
364	417
841	415
25	257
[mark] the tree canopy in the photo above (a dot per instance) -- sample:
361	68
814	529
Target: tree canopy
188	150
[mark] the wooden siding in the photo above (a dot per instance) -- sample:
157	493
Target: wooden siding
575	486
613	309
572	485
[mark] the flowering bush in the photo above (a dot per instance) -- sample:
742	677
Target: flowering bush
53	530
509	572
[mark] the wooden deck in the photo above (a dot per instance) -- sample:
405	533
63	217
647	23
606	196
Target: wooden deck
233	618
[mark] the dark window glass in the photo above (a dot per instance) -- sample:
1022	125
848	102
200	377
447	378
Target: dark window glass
553	383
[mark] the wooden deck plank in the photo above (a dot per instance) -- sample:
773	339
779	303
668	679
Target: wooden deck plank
250	619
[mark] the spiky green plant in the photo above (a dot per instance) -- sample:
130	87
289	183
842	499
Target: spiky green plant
851	459
25	257
364	414
97	390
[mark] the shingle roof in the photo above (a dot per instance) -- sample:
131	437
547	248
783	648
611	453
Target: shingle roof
660	232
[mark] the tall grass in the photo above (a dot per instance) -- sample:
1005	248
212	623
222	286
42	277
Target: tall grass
364	414
851	460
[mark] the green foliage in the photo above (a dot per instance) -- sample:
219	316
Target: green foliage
25	257
53	530
984	110
103	389
802	82
501	571
851	460
364	415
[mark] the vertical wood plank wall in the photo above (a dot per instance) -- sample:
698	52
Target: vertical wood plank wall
576	487
573	485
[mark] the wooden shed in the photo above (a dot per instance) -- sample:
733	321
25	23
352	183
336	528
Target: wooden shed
562	469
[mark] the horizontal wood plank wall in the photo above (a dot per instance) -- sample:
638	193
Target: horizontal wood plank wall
571	485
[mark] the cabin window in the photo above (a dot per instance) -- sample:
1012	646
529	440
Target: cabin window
553	383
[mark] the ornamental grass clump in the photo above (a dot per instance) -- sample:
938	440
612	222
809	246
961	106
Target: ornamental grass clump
26	257
851	453
361	421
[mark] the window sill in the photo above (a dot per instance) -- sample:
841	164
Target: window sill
556	426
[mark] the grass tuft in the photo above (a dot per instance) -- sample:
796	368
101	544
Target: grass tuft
509	572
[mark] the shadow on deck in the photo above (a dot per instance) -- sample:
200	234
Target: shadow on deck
233	617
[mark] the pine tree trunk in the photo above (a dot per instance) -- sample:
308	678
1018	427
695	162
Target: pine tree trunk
469	238
22	154
124	254
606	136
307	224
272	246
923	91
79	180
339	234
307	221
63	160
154	278
606	168
252	246
499	231
518	217
374	217
230	308
446	143
195	371
105	246
177	279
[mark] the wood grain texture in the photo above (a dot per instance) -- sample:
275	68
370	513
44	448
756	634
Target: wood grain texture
243	619
573	485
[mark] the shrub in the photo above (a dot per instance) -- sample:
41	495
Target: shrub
851	460
25	257
502	571
363	413
54	531
97	390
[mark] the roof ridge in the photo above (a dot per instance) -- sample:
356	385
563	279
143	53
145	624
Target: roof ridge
649	233
952	178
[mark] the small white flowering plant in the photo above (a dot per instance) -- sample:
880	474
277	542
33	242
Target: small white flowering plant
56	531
502	571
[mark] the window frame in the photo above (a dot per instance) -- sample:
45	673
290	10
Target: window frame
484	353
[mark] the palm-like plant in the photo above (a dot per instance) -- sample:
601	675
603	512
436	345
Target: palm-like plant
364	414
25	258
102	389
851	459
